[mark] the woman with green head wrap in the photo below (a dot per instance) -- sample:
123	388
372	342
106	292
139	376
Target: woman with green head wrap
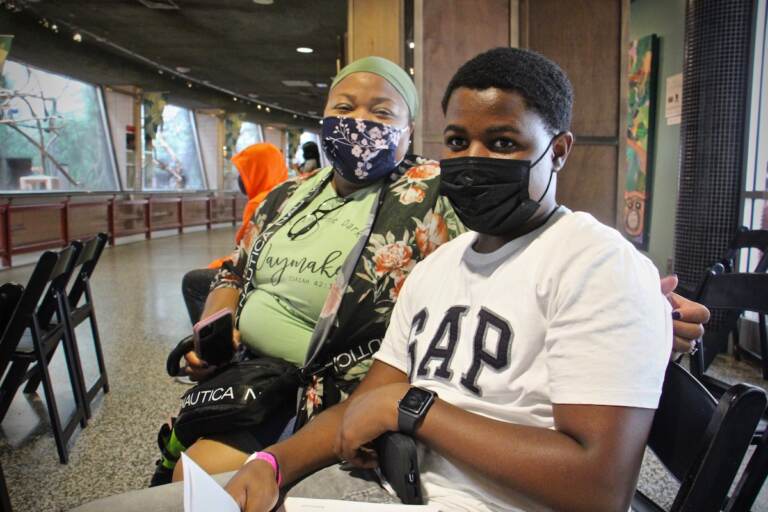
374	209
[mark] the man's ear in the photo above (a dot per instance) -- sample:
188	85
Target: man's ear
561	147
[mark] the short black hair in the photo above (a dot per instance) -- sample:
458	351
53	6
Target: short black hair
544	86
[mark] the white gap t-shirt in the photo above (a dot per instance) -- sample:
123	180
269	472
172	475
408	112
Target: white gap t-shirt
571	314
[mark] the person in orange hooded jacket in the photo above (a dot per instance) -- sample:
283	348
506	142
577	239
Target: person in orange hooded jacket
261	167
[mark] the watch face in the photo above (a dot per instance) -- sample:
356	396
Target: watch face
415	400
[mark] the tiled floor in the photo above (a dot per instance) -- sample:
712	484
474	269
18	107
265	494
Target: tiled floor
141	317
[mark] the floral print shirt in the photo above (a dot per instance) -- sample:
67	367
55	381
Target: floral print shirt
413	220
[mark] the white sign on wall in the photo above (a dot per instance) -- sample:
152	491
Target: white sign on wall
673	103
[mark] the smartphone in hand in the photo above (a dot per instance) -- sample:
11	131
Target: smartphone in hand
213	338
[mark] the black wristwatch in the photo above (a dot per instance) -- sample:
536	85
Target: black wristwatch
413	407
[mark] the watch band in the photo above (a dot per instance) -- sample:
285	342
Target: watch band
270	459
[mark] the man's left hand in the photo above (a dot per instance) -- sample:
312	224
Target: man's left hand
366	418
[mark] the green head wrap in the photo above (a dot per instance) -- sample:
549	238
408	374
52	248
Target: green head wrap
390	72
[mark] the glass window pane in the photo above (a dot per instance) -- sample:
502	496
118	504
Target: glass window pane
172	159
52	134
250	133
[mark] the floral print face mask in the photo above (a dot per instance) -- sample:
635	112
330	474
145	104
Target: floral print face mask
361	151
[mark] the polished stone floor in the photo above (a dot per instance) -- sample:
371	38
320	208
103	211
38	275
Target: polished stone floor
141	317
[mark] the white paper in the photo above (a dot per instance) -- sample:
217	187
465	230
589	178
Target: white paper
673	104
315	505
203	494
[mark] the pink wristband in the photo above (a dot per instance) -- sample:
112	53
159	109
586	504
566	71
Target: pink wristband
271	460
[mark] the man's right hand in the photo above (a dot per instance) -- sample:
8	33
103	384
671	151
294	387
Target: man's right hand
254	487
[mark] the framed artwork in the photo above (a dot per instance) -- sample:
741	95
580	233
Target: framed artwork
641	122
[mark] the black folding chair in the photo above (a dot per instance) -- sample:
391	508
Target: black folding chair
733	293
31	337
749	239
10	294
79	313
701	441
5	500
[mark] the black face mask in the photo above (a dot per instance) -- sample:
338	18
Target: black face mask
241	185
490	195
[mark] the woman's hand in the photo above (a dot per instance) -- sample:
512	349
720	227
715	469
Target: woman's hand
254	487
366	418
689	317
197	369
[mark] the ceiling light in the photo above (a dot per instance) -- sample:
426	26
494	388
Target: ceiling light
267	109
321	85
297	83
183	69
295	116
253	95
234	98
304	49
411	45
410	70
159	71
189	84
312	112
258	106
76	37
264	2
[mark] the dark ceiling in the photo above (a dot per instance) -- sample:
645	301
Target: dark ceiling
228	45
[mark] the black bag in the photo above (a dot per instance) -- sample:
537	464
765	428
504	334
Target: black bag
238	396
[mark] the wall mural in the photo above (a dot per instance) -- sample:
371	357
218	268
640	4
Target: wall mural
641	119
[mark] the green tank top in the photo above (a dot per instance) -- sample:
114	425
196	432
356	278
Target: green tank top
293	276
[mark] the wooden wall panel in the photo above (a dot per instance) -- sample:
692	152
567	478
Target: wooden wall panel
129	216
35	225
577	187
588	39
450	32
195	211
221	209
165	214
584	40
375	27
87	220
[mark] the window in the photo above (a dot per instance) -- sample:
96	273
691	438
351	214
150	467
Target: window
52	134
250	133
172	158
755	202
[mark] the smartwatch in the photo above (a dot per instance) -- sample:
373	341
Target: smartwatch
412	408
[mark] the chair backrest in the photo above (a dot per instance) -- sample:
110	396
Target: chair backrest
22	315
10	294
748	239
86	263
49	272
59	278
740	291
701	441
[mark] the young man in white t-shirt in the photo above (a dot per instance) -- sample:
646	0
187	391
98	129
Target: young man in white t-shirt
526	356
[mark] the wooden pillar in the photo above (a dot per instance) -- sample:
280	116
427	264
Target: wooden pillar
375	27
